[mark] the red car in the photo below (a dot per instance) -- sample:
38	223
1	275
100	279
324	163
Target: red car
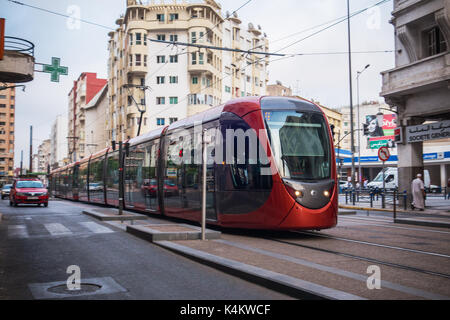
28	191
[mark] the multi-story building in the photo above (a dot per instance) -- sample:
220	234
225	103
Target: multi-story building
7	105
83	91
179	81
418	86
96	120
44	154
278	90
59	145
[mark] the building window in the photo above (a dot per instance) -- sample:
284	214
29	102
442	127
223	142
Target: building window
160	17
227	89
200	58
435	42
161	37
174	59
131	39
161	59
142	81
2	105
172	120
173	100
160	100
145	39
160	121
138	60
173	79
131	60
145	60
173	16
143	102
193	37
173	38
138	39
160	80
194	58
194	80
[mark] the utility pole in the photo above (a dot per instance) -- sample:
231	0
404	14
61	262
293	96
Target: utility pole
21	162
352	136
31	149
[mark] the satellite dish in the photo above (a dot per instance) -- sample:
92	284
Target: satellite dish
250	26
279	83
227	14
259	27
265	35
235	14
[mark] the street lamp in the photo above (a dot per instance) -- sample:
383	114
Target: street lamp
359	135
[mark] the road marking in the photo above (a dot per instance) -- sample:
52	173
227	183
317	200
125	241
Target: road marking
95	227
57	229
18	231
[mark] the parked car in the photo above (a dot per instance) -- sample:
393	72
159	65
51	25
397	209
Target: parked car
170	187
95	186
5	190
28	191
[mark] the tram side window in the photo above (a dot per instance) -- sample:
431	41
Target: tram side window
75	178
249	166
96	174
112	175
83	178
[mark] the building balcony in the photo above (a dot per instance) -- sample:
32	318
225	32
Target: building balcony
200	68
141	70
17	65
417	76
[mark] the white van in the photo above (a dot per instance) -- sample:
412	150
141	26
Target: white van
391	179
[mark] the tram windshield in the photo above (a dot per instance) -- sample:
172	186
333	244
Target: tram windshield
300	144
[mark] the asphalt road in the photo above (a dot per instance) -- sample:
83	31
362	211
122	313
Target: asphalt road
38	244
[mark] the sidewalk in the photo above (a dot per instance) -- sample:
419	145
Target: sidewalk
436	213
299	272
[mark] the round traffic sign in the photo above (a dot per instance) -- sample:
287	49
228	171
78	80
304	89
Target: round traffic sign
383	153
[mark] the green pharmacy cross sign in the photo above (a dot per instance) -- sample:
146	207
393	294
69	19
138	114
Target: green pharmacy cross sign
55	69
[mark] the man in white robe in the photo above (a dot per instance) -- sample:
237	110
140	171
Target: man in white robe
418	192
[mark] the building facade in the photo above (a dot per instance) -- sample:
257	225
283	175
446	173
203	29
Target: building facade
83	91
7	120
96	119
169	82
278	90
44	155
59	145
418	86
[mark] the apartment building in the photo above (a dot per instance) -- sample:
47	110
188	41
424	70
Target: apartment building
44	154
84	90
7	112
169	82
59	145
96	121
418	86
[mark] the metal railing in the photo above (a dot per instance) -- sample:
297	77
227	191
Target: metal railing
19	45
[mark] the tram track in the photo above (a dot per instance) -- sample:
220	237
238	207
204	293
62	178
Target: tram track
371	260
309	233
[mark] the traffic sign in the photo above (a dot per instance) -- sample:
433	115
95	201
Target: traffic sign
384	154
55	69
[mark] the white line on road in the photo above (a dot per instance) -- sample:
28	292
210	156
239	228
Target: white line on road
96	228
57	229
18	231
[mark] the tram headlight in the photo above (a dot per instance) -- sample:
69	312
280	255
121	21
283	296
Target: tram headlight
326	193
294	193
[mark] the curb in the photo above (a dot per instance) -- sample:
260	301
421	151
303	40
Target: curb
105	217
423	223
147	233
275	281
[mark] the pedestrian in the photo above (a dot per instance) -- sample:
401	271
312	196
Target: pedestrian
418	192
366	182
448	189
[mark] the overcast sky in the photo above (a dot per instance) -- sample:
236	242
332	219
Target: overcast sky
323	78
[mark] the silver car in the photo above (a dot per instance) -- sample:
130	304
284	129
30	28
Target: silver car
5	191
